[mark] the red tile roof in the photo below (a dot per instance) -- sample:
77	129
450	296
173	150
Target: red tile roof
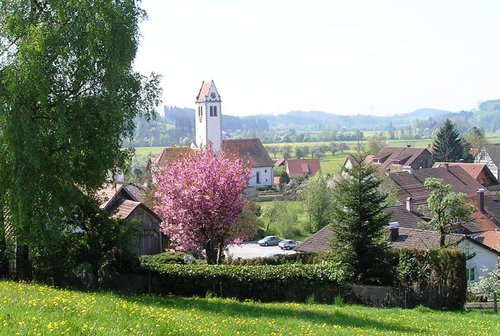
400	156
490	238
249	150
106	194
318	242
204	90
473	169
422	239
124	208
408	238
302	167
168	155
412	184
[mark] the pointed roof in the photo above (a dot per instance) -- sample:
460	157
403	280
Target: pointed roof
205	90
473	169
302	167
250	150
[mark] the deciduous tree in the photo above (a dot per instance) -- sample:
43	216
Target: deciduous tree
68	98
318	200
199	199
448	209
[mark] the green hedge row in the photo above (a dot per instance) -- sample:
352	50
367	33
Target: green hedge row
435	278
291	282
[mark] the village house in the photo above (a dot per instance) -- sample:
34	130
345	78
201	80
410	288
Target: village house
400	159
479	171
125	201
411	184
490	156
208	131
300	168
405	232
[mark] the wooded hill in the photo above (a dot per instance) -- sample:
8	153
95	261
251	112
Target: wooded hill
176	125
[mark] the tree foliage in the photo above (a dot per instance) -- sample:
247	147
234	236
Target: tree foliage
358	222
282	216
318	200
488	285
447	209
248	224
475	138
448	145
199	199
68	97
374	144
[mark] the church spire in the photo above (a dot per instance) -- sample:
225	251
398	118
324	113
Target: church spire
208	118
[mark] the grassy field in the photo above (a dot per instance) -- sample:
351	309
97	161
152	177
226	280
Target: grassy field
329	163
39	310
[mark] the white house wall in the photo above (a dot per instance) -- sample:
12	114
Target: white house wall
484	158
483	258
266	177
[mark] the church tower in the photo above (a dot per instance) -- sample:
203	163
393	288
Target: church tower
208	117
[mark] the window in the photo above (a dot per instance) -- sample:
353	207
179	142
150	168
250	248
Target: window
200	112
471	274
257	178
213	111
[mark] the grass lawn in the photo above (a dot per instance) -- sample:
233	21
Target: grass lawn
39	310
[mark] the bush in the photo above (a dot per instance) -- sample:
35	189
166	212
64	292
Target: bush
291	282
435	278
167	258
300	258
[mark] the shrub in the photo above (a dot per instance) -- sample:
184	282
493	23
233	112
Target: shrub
434	278
301	258
291	282
166	258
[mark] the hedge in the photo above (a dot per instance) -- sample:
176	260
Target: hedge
290	282
435	278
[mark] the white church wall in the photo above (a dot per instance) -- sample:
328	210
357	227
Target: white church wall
265	177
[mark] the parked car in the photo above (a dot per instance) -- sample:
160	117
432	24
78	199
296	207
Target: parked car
269	241
288	244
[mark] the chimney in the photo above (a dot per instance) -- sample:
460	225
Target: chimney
393	231
480	199
409	204
447	166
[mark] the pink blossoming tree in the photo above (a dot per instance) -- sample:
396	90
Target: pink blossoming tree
199	199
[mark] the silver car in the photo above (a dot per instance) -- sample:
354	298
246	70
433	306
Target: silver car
288	244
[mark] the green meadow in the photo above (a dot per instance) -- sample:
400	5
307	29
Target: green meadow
28	309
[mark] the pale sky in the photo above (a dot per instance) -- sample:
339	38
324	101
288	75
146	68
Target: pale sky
345	57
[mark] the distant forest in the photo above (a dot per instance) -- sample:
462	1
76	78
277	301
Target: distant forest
176	125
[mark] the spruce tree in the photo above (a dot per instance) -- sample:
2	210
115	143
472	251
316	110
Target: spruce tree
448	145
358	223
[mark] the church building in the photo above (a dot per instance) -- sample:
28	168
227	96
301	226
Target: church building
208	130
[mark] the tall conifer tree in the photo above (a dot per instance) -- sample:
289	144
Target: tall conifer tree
448	145
358	223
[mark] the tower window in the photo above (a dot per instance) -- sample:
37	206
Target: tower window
213	111
257	177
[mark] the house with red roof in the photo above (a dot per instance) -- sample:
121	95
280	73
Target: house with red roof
479	171
300	168
397	159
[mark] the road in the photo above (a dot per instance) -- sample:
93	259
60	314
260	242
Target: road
251	249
